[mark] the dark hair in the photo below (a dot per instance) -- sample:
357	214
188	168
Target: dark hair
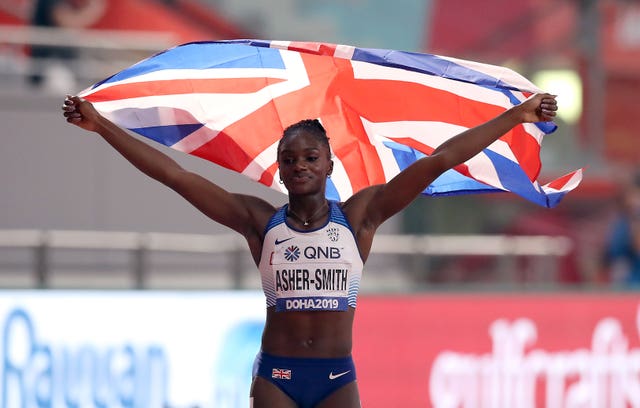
312	127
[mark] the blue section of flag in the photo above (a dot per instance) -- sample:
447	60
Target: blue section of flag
513	177
453	183
331	191
204	55
449	183
168	135
554	199
427	64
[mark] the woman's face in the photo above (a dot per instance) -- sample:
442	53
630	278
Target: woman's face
304	163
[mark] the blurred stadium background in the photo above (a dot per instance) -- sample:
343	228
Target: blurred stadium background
110	276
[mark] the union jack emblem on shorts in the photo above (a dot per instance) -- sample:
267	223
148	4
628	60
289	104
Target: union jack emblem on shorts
281	374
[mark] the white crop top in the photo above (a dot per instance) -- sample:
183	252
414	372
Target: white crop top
310	270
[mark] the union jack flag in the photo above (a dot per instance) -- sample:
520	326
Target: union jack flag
281	373
229	102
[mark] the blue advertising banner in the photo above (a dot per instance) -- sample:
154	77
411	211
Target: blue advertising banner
128	349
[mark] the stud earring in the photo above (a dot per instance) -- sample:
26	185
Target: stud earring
281	182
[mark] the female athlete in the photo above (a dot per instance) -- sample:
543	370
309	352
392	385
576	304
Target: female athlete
310	252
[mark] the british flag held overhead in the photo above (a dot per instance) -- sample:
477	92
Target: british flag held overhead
229	102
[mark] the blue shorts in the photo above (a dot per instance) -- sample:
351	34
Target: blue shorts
307	381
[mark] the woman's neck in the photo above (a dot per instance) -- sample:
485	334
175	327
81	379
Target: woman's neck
307	211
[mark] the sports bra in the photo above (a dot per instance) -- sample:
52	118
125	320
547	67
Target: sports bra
310	270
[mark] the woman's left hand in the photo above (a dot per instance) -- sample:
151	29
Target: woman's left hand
538	108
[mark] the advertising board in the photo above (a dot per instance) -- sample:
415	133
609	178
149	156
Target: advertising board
499	350
135	349
128	349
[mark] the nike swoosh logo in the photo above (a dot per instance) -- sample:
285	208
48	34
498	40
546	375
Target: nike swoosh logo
333	377
284	240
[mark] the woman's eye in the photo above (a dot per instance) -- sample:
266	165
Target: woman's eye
287	161
312	158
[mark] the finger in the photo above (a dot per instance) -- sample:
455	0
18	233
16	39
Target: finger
547	115
68	104
72	114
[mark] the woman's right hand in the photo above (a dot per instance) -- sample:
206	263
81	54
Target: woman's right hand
81	113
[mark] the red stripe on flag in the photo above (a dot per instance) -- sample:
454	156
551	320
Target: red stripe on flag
181	86
406	100
225	152
251	135
268	175
526	150
428	150
386	101
559	183
313	48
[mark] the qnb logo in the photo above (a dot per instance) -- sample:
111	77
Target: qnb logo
292	253
318	252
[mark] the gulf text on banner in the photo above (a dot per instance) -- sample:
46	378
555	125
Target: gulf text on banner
499	351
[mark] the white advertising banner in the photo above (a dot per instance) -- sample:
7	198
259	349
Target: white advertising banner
114	349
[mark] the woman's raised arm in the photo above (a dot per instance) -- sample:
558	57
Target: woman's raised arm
245	214
374	205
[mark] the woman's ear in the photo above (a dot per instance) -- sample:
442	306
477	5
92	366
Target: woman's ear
330	168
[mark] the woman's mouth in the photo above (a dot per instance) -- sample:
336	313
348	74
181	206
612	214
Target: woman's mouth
300	178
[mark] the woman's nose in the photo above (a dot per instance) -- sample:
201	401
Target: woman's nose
300	165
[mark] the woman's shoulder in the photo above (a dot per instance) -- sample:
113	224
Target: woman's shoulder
261	210
357	204
355	208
